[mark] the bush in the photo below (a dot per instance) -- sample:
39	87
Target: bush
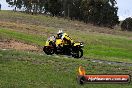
127	24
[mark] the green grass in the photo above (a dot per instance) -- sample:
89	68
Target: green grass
31	70
23	69
97	46
108	48
29	38
16	17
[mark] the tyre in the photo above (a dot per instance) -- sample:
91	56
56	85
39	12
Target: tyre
78	53
48	50
81	53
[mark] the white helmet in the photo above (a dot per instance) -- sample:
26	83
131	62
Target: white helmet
60	31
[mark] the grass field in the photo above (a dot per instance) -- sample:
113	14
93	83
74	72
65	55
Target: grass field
32	70
97	46
24	69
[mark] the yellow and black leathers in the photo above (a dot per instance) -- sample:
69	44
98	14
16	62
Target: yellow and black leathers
59	42
66	39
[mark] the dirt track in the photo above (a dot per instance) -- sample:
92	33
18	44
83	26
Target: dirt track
17	45
13	44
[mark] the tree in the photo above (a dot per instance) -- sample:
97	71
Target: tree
127	24
97	12
75	10
29	5
53	6
16	3
0	6
100	12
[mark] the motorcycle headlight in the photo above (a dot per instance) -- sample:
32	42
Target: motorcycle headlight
82	45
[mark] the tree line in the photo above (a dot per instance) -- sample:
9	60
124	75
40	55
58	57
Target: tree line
97	12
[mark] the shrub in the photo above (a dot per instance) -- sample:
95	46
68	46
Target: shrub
127	24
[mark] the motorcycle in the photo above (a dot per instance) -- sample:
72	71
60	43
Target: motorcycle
57	47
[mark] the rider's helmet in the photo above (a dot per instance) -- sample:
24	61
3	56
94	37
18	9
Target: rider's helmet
59	34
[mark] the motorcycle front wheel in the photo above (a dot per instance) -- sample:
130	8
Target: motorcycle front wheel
48	50
78	53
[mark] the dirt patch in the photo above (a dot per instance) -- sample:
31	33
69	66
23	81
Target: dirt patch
13	44
130	38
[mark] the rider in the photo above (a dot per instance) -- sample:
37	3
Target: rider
65	38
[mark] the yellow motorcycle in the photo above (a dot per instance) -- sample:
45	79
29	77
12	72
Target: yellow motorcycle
57	47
